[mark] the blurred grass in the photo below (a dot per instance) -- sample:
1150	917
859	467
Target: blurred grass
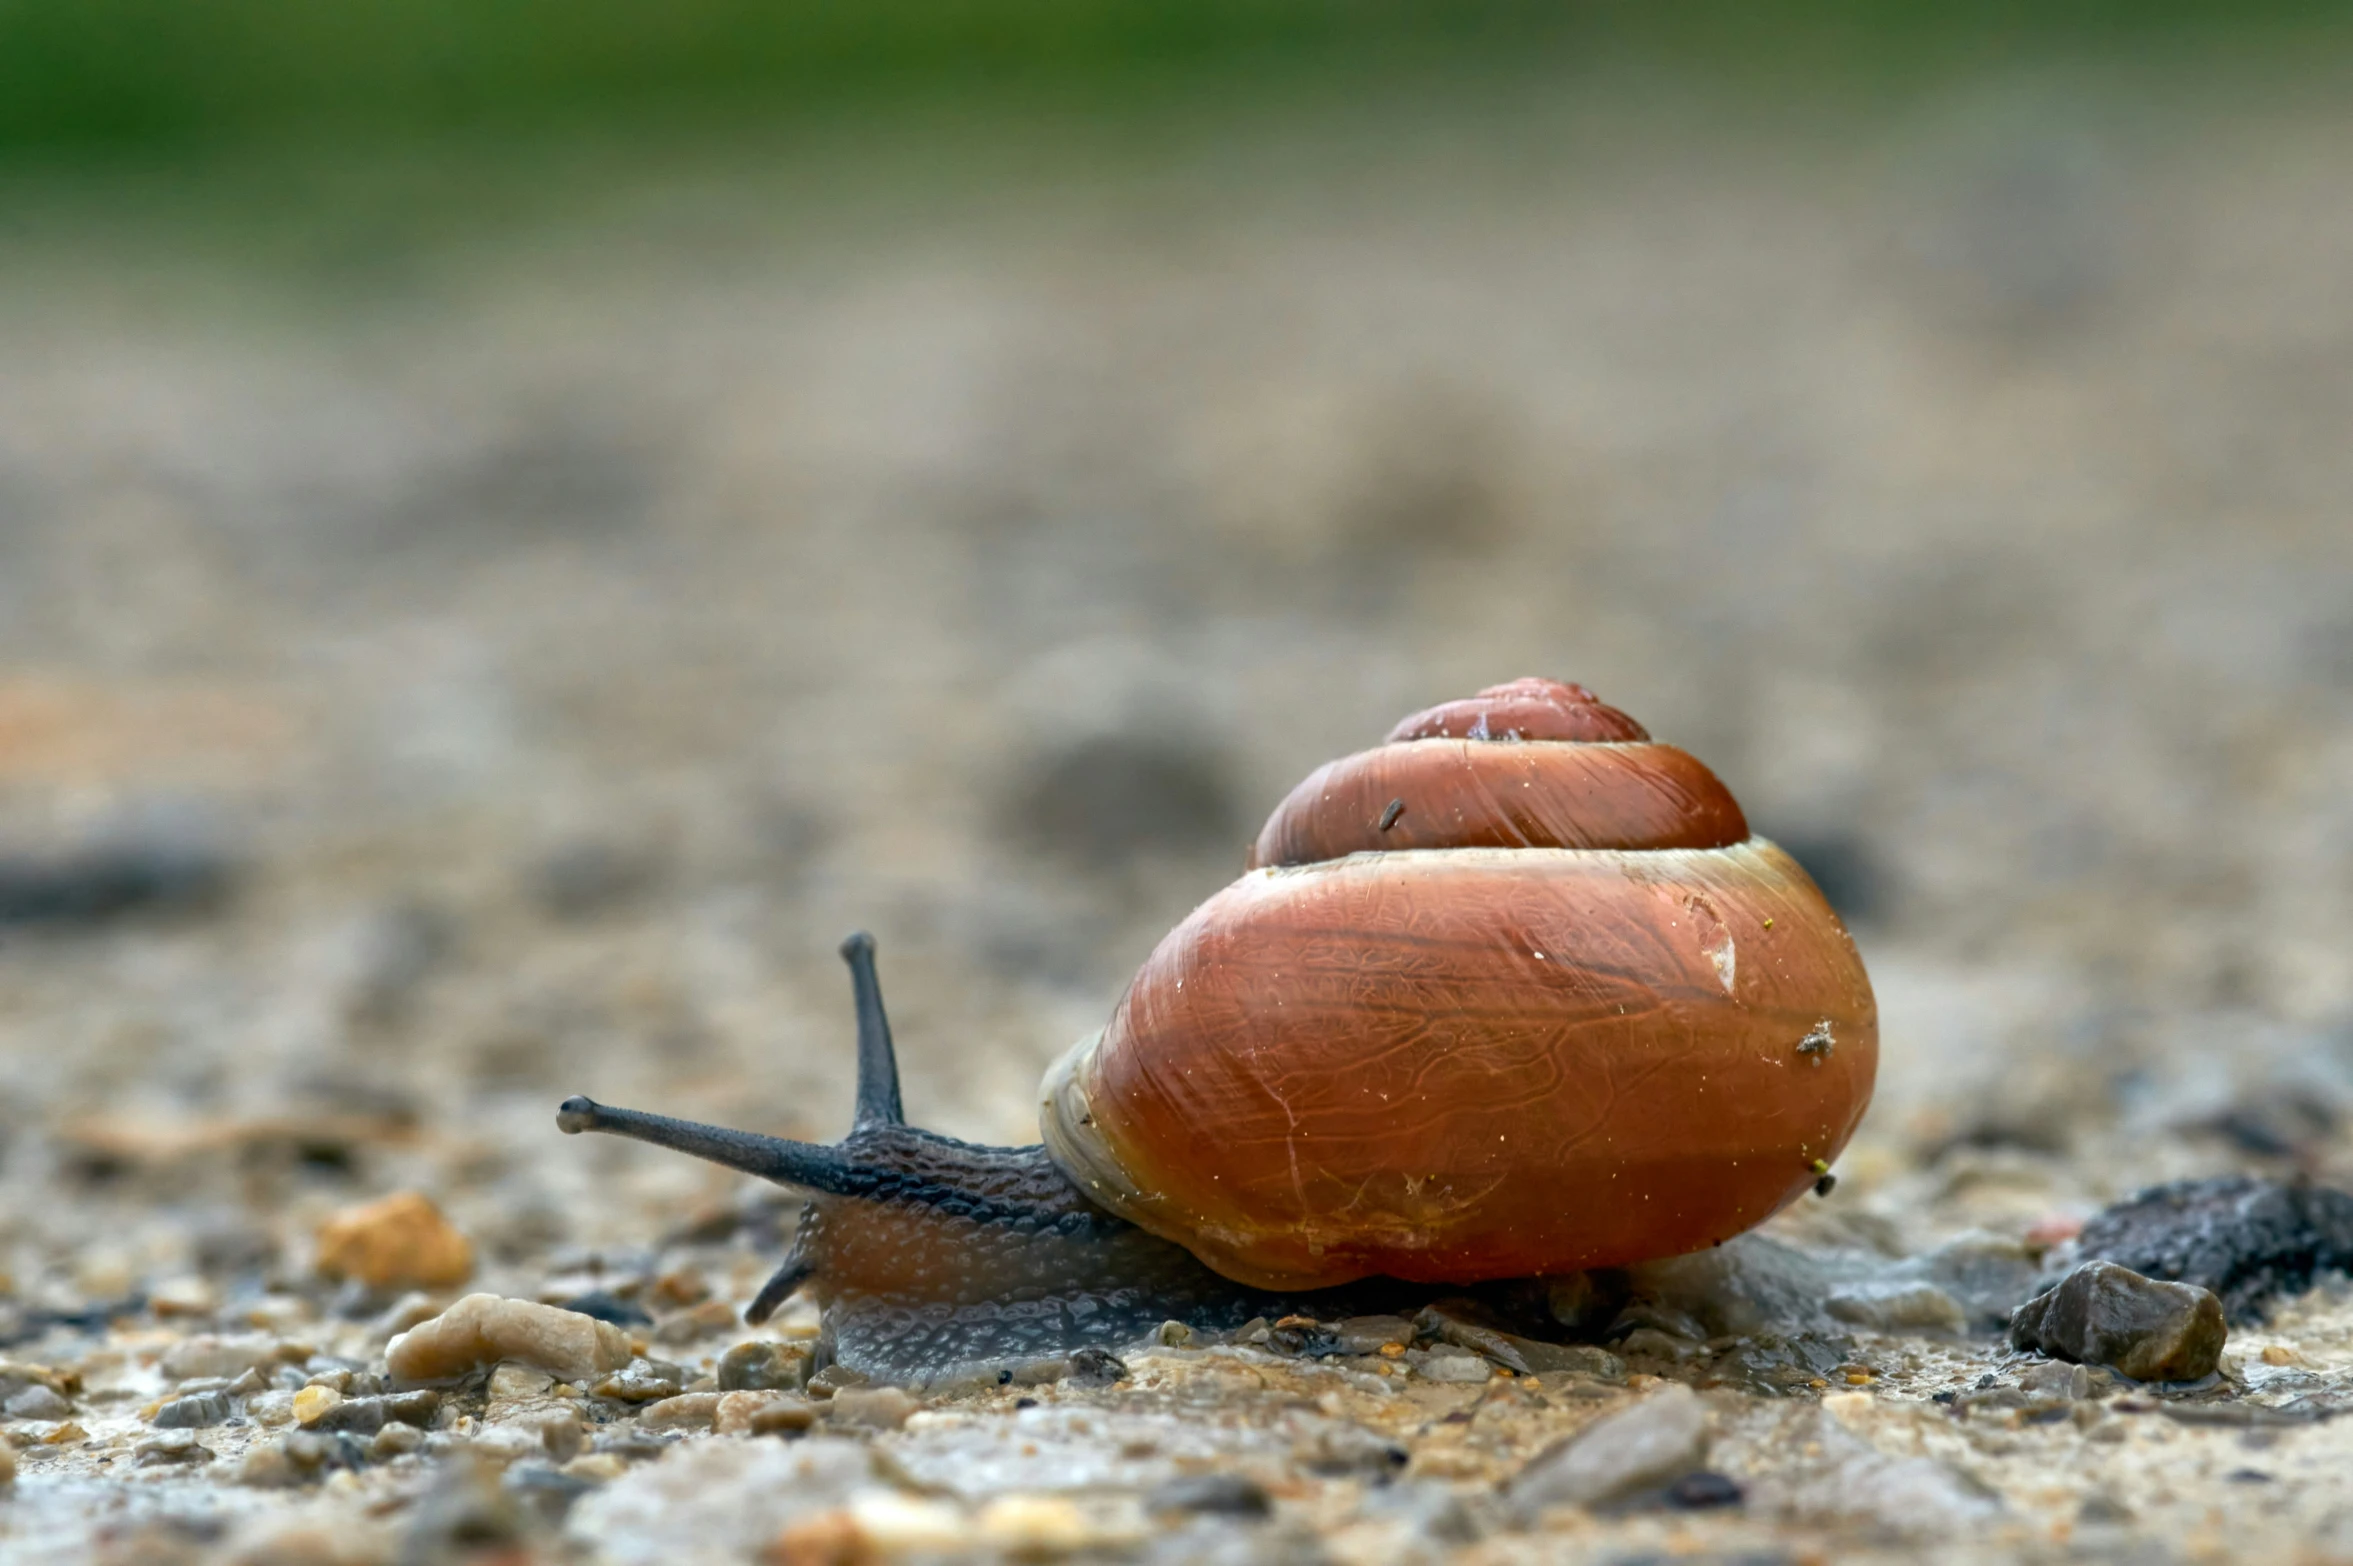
93	74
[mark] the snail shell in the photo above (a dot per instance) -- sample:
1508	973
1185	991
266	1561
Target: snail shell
1560	1011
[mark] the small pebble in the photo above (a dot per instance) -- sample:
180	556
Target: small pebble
688	1411
269	1408
877	1408
483	1329
38	1402
395	1440
519	1384
313	1404
184	1296
200	1411
171	1447
400	1242
643	1381
354	1415
268	1468
764	1365
418	1408
2104	1314
1703	1490
1096	1367
1449	1364
764	1413
1655	1442
1031	1526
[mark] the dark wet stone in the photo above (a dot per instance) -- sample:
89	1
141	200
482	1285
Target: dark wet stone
1704	1490
1096	1367
199	1412
2248	1240
1219	1495
609	1307
2104	1314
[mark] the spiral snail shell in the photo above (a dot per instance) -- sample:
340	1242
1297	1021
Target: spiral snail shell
1513	994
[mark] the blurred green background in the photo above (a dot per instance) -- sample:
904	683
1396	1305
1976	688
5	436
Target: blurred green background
151	73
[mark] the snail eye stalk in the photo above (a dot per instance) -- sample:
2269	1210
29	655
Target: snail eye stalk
813	1166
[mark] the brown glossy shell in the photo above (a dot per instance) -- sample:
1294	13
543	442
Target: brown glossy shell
1465	1058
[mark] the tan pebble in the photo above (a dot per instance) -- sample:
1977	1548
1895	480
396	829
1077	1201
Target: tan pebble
557	1429
65	1433
7	1462
828	1538
303	1544
483	1329
688	1411
396	1440
312	1404
2279	1354
182	1297
763	1413
1035	1525
878	1408
400	1242
519	1383
597	1467
891	1522
268	1468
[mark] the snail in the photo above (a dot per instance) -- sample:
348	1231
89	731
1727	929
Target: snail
1514	994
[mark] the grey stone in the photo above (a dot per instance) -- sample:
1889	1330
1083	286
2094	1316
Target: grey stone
1652	1443
173	1447
196	1413
2103	1314
1896	1305
644	1381
38	1402
353	1416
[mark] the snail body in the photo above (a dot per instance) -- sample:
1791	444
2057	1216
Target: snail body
1513	994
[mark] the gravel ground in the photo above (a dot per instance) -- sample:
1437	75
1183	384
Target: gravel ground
444	674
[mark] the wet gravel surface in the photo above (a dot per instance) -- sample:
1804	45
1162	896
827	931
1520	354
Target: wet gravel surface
430	690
